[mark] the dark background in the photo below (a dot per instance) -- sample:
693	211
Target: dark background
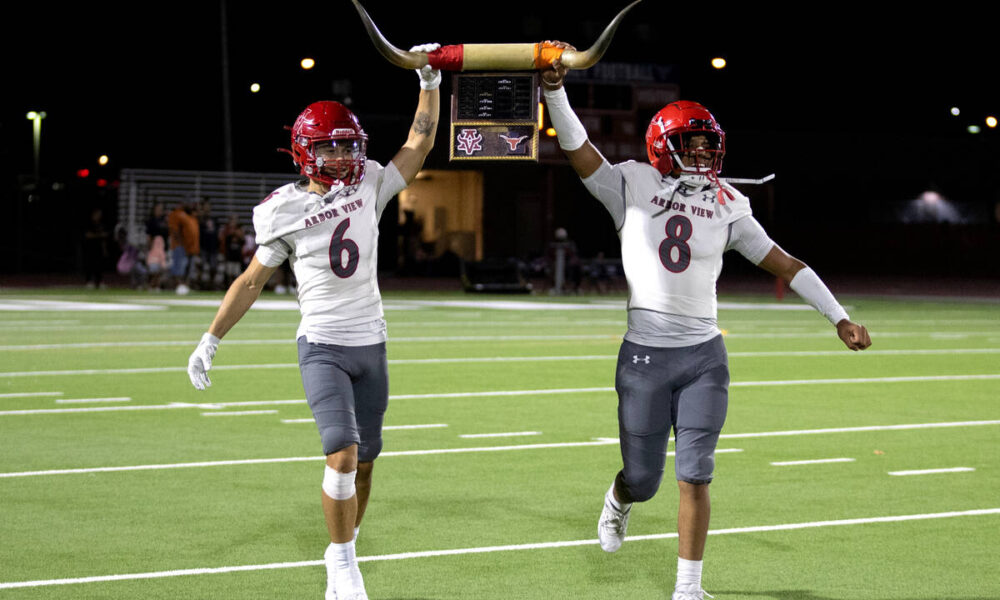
847	104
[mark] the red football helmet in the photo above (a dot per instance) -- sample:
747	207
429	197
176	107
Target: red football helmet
669	134
331	128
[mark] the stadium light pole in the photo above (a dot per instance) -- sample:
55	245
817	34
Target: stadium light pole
227	118
36	118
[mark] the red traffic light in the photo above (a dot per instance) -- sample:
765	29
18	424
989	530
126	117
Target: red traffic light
83	173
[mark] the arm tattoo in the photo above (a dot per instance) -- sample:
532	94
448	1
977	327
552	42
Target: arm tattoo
423	124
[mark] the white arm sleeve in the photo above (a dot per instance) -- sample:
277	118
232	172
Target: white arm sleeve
807	284
747	237
569	129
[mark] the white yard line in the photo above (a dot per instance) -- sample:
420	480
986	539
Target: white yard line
198	326
596	442
501	393
493	338
932	471
239	413
53	323
474	359
599	442
290	342
498	393
88	400
384	428
925	352
859	429
818	461
264	461
31	395
493	435
35	305
142	344
491	549
914	379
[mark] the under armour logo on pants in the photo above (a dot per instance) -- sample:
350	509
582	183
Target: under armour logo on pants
636	359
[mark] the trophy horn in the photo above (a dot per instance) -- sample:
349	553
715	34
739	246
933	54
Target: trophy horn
486	57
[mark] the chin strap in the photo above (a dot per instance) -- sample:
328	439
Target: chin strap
723	193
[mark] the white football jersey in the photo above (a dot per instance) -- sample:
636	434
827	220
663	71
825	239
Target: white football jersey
673	235
331	243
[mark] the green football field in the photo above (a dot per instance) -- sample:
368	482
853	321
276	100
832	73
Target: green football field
840	475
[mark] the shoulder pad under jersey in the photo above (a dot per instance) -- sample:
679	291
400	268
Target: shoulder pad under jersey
277	214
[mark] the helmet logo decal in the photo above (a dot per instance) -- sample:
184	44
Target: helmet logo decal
469	141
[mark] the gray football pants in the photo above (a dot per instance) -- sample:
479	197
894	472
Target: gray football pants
659	389
347	388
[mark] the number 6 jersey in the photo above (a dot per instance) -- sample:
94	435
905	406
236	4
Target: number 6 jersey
673	234
331	243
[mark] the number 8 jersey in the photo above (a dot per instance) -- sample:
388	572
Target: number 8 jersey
331	243
673	234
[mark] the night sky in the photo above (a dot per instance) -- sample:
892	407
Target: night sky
145	86
829	96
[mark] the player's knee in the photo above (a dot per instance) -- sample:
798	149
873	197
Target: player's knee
369	449
639	485
337	485
698	471
336	438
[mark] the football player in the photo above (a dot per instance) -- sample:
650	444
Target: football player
327	228
675	219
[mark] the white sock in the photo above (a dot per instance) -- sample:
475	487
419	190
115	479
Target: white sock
342	567
688	573
619	506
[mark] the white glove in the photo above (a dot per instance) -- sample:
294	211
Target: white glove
430	78
201	361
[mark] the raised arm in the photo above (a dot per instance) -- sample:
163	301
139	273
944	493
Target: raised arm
410	158
582	155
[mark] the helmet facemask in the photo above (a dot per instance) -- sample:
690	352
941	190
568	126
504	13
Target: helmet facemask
695	152
335	162
329	145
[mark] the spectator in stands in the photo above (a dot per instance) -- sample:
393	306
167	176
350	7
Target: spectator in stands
157	234
184	243
565	262
131	261
95	249
209	246
231	239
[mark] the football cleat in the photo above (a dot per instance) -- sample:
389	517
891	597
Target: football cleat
611	526
690	592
